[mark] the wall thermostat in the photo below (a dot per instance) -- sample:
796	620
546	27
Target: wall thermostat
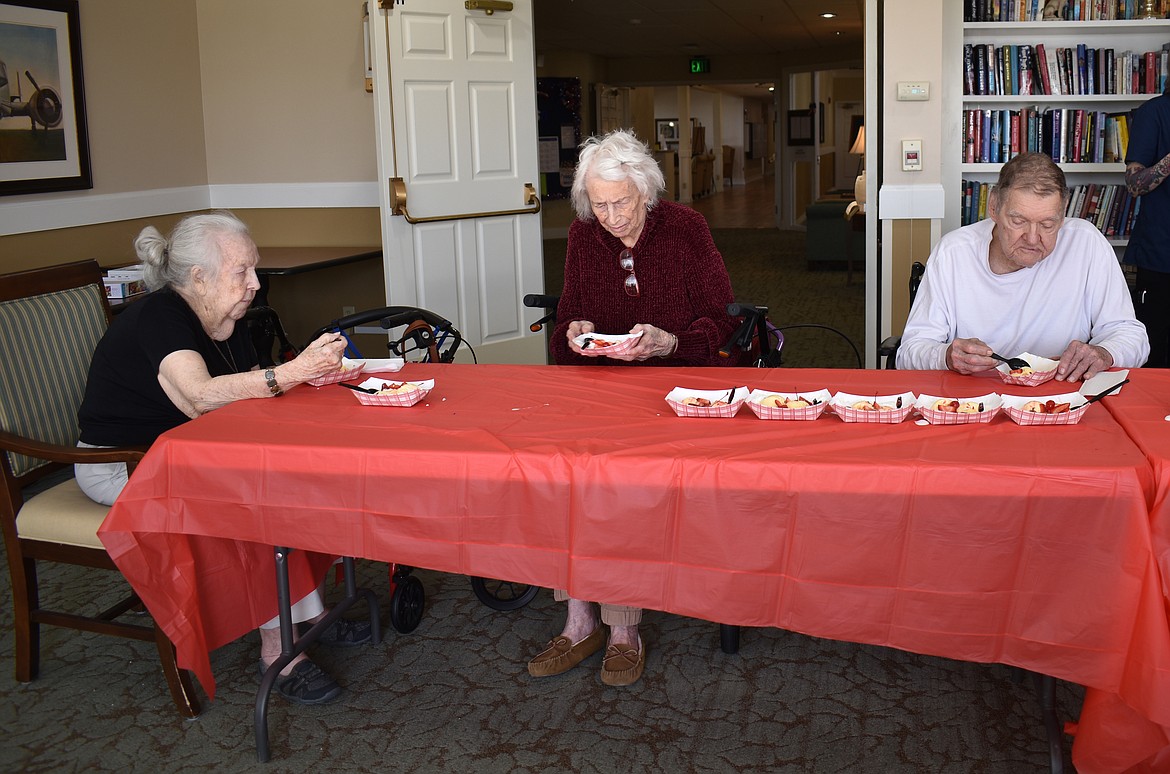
913	91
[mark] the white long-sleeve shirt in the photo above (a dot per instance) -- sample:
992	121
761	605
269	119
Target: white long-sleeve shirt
1076	293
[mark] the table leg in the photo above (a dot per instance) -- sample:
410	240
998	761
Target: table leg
290	648
1046	693
728	638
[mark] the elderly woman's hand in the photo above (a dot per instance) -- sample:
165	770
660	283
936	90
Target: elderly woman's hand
576	328
321	357
655	342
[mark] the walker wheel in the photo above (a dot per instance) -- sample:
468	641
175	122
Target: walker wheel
406	604
503	595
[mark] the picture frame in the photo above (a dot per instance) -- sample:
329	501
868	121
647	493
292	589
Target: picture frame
665	129
44	141
800	127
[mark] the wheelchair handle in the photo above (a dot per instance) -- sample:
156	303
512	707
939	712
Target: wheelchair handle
538	301
740	310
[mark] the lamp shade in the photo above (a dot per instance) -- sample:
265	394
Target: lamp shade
858	148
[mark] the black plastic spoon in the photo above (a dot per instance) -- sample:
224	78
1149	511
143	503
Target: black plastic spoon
1012	362
355	388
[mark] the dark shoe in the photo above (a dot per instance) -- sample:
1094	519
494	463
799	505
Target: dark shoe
306	684
561	655
344	633
623	664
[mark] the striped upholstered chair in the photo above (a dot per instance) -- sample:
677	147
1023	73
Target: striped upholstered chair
50	322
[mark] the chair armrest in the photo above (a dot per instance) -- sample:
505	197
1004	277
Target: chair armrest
889	346
11	442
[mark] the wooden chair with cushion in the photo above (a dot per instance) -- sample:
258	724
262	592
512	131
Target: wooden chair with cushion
50	322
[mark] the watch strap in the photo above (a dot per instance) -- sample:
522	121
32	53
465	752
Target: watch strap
273	387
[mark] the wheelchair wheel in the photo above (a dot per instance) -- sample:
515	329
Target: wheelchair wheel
503	595
406	604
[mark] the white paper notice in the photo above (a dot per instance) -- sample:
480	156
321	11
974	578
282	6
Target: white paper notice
550	155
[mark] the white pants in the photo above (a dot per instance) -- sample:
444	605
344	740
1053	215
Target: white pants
104	481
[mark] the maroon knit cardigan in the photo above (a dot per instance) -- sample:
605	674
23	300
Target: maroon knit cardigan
684	288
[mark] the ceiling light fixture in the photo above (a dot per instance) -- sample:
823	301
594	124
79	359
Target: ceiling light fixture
828	16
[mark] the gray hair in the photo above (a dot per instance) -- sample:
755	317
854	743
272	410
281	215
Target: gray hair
194	241
615	157
1035	172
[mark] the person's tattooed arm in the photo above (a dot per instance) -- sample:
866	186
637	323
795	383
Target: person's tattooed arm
1141	180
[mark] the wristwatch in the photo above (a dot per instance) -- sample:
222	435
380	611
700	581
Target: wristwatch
274	388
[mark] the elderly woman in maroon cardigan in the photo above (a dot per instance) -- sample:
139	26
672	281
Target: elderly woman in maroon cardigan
635	264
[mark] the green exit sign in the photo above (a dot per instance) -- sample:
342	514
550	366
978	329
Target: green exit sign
700	64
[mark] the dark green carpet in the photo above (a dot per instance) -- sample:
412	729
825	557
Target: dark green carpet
767	267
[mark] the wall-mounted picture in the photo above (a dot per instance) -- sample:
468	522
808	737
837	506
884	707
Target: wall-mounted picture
666	129
800	127
43	141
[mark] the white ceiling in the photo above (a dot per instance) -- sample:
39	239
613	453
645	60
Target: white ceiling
646	28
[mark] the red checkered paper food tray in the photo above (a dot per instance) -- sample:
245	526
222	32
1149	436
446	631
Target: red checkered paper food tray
818	399
1043	369
607	343
416	392
350	369
732	397
898	407
1013	406
991	403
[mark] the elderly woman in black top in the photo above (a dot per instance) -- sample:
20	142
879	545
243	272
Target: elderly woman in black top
177	353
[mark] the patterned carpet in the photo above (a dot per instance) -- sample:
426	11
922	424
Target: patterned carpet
768	268
454	696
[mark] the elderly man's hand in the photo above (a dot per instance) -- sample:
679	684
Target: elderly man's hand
1082	361
576	328
969	356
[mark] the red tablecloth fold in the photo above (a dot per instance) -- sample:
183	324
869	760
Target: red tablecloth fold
992	543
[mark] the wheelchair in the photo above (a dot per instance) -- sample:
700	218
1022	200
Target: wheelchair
889	347
419	335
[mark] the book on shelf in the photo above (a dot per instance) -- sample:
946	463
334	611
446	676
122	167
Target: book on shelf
994	137
1078	117
968	69
1025	69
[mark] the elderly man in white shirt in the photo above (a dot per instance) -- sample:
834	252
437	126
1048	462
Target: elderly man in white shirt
1027	279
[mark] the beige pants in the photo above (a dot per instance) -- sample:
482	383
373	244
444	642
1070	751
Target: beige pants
611	615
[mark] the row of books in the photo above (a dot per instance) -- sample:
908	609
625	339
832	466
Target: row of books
1068	135
1024	69
1108	206
1033	10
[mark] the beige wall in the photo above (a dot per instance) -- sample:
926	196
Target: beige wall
187	93
142	93
913	52
283	92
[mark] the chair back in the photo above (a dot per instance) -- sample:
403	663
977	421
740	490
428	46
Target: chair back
51	320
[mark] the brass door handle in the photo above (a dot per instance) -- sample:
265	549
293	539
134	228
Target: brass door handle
398	205
487	6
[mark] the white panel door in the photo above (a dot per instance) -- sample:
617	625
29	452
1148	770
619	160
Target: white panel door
455	110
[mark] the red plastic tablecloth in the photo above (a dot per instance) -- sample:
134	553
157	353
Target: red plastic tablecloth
991	543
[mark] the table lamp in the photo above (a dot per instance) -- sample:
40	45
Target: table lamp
858	149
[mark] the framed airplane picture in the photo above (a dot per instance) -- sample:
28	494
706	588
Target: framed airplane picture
44	145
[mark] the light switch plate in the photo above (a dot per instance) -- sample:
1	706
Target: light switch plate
913	91
911	155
